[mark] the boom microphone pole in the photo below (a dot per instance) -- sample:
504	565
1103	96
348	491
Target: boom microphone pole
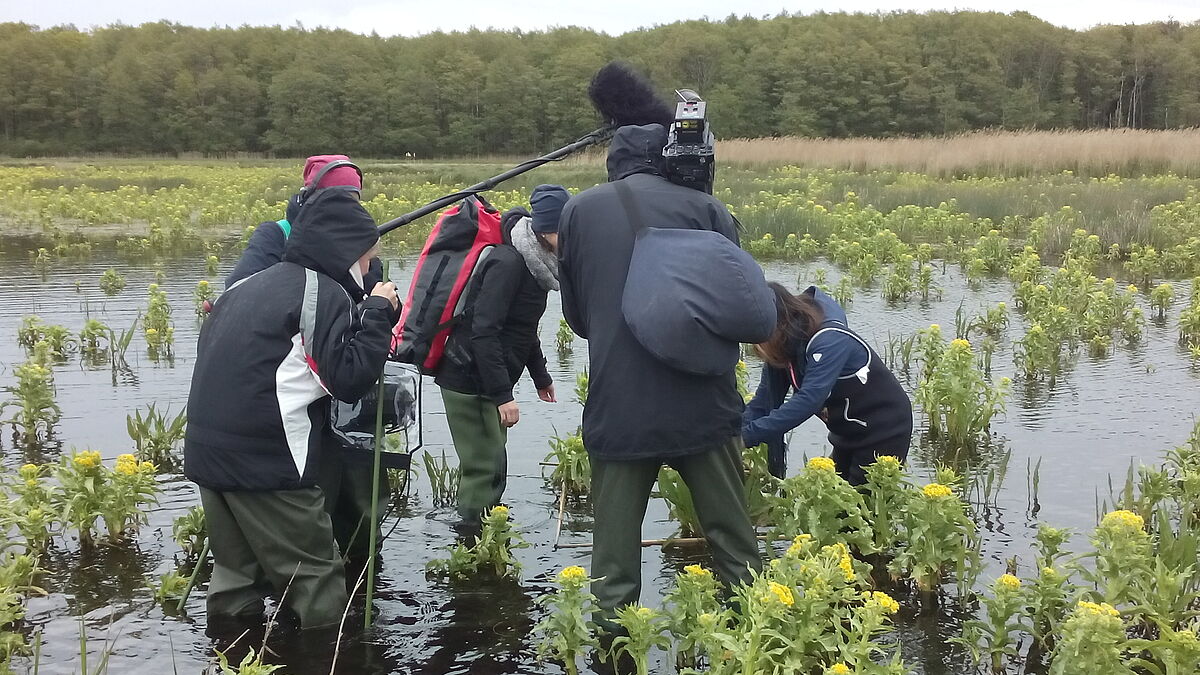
598	136
617	92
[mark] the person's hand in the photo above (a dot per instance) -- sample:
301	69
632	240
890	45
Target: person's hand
824	415
387	290
510	414
547	394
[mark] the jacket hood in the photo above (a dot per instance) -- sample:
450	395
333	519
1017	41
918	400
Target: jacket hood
636	149
330	234
829	307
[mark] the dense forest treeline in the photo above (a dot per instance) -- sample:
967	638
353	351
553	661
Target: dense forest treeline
167	88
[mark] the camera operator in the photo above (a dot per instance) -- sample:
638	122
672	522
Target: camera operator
642	413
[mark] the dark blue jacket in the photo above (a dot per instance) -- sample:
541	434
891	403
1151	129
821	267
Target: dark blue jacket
868	411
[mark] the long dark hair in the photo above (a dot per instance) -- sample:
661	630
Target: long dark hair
799	318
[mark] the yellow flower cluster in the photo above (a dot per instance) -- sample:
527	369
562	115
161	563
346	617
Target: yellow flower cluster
839	669
88	459
821	464
882	600
936	491
29	471
127	465
960	344
783	594
500	512
1101	609
798	544
645	613
1009	581
572	574
696	571
889	461
1123	520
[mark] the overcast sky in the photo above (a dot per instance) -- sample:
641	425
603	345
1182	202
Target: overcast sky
413	17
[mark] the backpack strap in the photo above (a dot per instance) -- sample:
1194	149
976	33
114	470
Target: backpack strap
285	226
308	312
632	213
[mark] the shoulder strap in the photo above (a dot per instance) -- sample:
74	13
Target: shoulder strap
285	226
308	311
632	213
861	373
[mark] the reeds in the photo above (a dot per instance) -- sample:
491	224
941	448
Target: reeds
1097	152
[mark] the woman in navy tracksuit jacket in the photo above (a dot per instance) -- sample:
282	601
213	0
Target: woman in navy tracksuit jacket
835	374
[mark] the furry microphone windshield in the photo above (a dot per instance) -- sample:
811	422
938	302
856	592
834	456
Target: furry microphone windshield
624	97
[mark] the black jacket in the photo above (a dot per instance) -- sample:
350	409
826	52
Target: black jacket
637	406
265	248
497	337
258	404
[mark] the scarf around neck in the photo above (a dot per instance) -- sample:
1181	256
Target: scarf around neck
542	264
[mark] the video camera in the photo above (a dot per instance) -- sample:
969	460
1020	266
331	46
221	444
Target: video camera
690	152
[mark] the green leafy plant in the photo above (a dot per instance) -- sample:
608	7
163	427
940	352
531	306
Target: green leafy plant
443	479
58	339
938	533
157	328
170	587
564	338
490	554
94	341
156	434
252	664
820	503
111	282
566	632
694	595
203	296
190	531
957	397
643	630
33	397
680	506
996	637
571	469
1092	640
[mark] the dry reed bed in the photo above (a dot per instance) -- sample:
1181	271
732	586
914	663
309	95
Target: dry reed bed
988	152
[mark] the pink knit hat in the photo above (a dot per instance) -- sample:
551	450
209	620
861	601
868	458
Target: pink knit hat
342	176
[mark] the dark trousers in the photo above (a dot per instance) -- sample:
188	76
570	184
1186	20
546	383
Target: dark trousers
346	482
620	491
481	444
275	542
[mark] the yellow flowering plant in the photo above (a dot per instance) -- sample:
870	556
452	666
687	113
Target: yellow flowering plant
958	399
1091	641
997	637
129	487
887	493
695	593
820	503
1173	652
79	497
644	629
491	552
33	397
1122	556
938	535
567	631
29	507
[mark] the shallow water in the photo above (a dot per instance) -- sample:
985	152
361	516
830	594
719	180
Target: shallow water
1129	406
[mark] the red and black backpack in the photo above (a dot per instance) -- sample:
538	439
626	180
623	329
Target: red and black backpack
460	241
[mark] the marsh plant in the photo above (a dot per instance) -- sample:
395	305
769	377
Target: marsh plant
491	554
443	479
169	588
564	338
88	492
203	297
58	339
571	469
190	531
820	503
35	412
958	399
938	534
94	341
111	282
642	629
157	328
567	632
995	638
680	506
688	606
156	434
